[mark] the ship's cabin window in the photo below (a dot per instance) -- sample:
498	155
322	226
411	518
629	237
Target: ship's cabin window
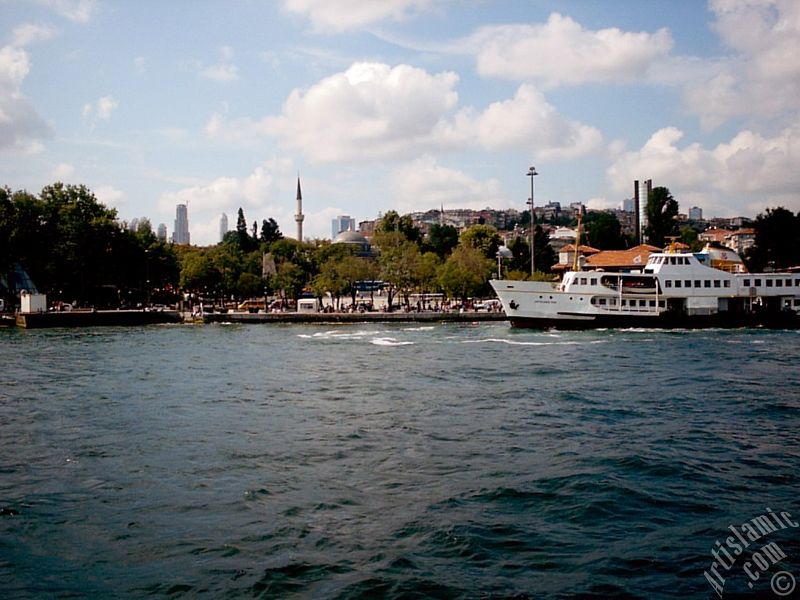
653	303
661	303
686	260
593	281
779	283
788	283
642	302
602	301
667	283
678	283
697	283
726	283
746	283
797	282
717	283
582	281
707	283
757	283
613	302
769	282
687	283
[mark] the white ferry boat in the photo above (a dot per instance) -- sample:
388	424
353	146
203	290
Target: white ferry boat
705	289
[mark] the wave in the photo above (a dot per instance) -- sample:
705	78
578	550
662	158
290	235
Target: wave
334	334
388	341
518	343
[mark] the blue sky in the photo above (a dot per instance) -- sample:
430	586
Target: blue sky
399	104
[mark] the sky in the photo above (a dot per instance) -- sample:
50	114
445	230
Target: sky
405	105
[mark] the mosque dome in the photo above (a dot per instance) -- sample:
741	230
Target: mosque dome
351	237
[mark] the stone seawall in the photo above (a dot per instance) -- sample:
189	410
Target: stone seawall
374	317
96	318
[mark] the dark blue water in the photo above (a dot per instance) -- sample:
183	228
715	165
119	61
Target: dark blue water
371	461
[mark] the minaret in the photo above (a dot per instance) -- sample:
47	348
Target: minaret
298	218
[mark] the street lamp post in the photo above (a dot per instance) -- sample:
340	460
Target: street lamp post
532	173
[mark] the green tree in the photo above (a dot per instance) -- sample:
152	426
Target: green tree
270	231
441	239
662	210
604	231
392	221
8	219
427	274
398	262
777	240
290	280
465	273
198	273
544	255
689	237
483	238
520	256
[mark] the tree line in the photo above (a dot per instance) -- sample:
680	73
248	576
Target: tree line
77	250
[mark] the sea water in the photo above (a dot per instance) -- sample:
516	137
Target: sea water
394	461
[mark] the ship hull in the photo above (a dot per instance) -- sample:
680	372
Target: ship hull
788	320
542	305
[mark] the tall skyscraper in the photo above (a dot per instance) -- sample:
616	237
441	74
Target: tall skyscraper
695	213
162	232
342	223
223	226
641	192
299	216
629	205
180	235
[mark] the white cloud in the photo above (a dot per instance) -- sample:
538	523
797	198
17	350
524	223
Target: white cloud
80	11
424	184
528	121
562	52
222	72
139	64
602	204
110	196
370	111
26	34
227	194
763	76
341	15
744	175
100	110
20	125
62	172
373	112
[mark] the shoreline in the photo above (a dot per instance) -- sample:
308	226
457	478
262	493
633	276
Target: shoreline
131	318
368	317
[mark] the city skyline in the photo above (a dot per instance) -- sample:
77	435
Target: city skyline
405	104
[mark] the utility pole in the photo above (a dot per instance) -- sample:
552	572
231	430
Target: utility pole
532	173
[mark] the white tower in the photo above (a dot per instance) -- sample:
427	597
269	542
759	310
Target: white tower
298	217
223	226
